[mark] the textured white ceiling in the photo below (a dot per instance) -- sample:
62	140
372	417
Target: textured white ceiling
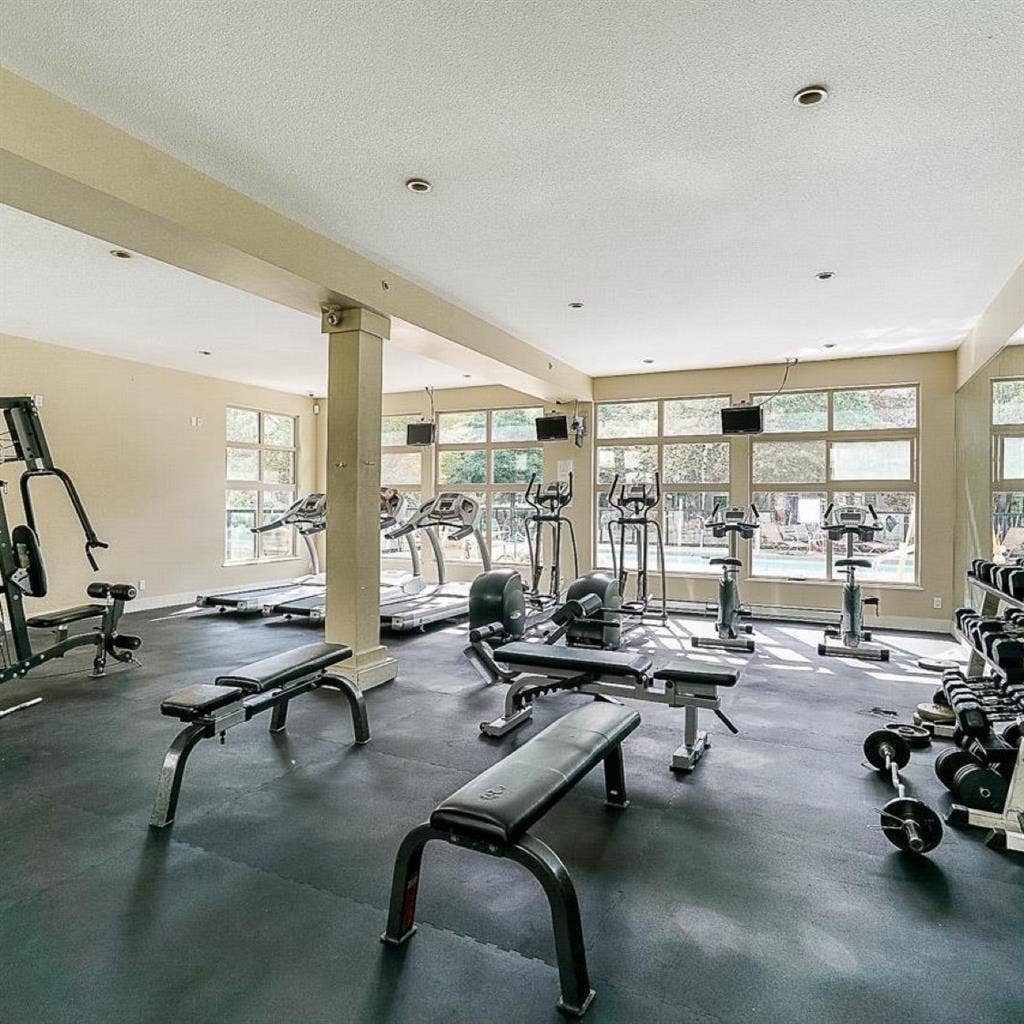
642	156
64	287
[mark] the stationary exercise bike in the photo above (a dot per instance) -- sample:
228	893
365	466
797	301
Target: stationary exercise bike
851	523
730	522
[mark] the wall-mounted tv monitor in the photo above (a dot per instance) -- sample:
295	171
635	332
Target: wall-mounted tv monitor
419	434
552	428
742	419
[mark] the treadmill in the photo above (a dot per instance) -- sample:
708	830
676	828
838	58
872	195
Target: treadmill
309	516
395	586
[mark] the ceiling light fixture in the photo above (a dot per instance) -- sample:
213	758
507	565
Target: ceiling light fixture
203	352
829	344
120	254
812	96
467	376
825	275
575	305
647	362
418	185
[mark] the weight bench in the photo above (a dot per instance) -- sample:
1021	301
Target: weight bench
619	674
267	685
492	815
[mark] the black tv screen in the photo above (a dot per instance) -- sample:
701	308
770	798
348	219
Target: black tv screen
552	428
742	419
419	434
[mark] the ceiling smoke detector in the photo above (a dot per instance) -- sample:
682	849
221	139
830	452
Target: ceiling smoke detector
203	352
812	96
120	254
418	185
825	275
647	362
575	305
829	344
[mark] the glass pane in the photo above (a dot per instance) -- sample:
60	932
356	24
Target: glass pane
243	464
1007	524
870	460
1013	458
874	409
278	467
392	429
694	416
276	543
789	542
795	411
508	527
464	550
688	546
627	419
696	463
892	552
605	514
1007	401
279	430
462	467
461	427
516	465
400	468
239	520
783	462
514	424
633	463
243	425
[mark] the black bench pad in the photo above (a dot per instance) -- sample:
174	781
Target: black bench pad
707	676
503	802
200	699
281	669
857	563
521	654
54	620
725	561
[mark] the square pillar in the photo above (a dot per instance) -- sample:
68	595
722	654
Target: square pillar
355	353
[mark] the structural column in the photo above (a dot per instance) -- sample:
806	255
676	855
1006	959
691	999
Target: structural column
355	352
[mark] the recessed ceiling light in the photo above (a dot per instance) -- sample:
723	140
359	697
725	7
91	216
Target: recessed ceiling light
812	96
829	344
467	376
825	275
647	362
203	352
418	185
120	254
575	305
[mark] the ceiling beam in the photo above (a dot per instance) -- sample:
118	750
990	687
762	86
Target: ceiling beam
61	163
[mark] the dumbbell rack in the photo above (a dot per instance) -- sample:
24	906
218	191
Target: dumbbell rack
1006	827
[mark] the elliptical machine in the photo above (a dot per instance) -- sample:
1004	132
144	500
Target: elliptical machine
548	503
635	505
850	522
730	522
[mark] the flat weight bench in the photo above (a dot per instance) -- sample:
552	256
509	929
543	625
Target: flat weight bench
237	697
492	814
618	674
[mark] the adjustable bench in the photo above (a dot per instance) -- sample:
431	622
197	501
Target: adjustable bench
620	674
237	697
492	814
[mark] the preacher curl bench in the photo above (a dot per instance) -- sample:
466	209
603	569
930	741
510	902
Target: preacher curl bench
267	685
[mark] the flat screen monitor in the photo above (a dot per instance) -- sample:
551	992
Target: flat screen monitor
552	428
742	419
419	434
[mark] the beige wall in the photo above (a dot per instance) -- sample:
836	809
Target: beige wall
152	484
1000	322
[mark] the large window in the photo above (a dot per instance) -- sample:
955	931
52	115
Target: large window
863	452
1007	468
491	457
260	472
401	467
680	439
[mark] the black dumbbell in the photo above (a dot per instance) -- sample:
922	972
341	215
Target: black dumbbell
949	762
981	787
909	824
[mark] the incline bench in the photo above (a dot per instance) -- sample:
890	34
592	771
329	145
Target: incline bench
241	695
492	813
619	674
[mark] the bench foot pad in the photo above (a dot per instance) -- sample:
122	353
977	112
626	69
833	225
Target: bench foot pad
576	1011
686	757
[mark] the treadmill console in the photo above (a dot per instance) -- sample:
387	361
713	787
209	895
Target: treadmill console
850	516
734	514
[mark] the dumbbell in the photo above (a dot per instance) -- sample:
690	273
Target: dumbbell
1008	653
981	787
971	719
960	616
950	761
909	824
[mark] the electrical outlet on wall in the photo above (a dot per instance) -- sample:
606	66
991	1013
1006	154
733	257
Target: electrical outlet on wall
141	586
936	602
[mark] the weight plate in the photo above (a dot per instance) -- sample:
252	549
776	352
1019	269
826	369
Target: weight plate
875	749
915	735
936	664
949	762
925	831
936	713
980	787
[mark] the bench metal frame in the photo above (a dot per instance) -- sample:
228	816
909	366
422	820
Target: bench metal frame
541	861
240	710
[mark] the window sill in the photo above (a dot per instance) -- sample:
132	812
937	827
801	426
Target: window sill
262	561
810	582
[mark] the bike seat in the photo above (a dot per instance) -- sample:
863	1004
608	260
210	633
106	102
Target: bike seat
853	563
734	562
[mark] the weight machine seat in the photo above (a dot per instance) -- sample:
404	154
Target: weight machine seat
55	620
703	676
281	669
726	561
200	699
503	802
521	654
856	563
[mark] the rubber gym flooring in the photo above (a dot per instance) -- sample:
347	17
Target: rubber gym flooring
753	890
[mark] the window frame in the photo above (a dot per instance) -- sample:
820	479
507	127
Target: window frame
1000	483
260	486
